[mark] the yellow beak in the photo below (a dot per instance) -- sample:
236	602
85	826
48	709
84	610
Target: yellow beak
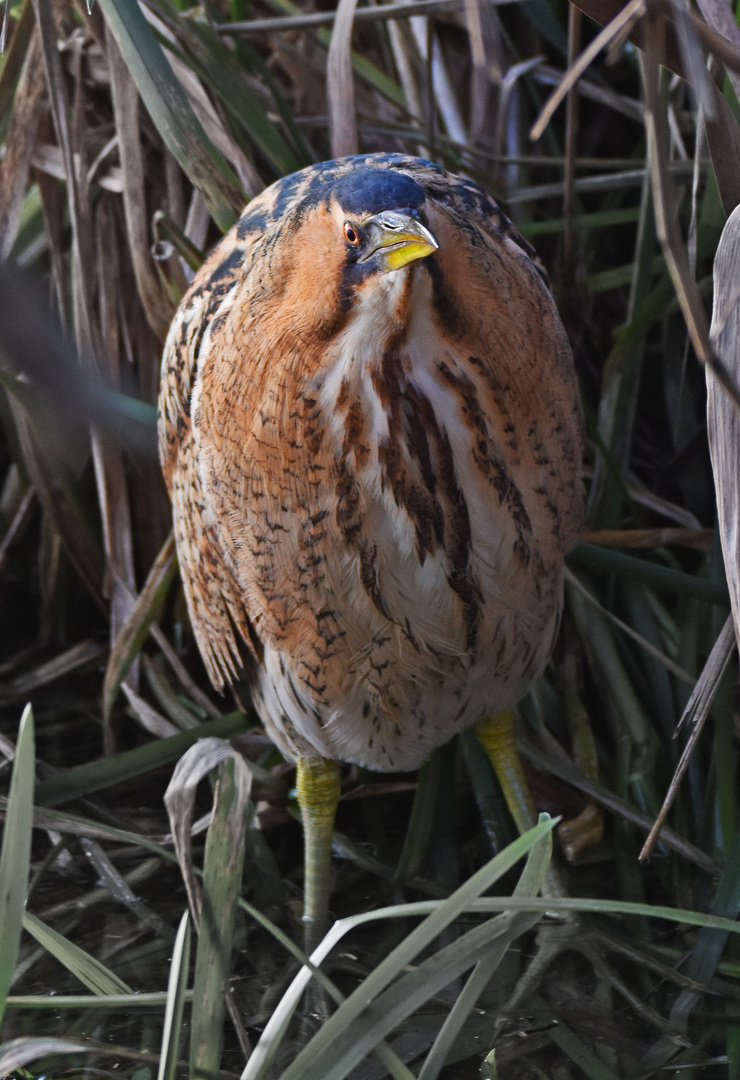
396	239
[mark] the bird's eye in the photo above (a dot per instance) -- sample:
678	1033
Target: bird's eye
350	234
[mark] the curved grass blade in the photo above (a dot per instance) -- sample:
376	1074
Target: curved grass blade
172	113
214	909
222	879
411	991
17	1053
439	917
269	1044
723	423
16	852
176	991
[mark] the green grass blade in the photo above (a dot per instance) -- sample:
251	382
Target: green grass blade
490	941
407	950
710	943
579	1053
222	878
15	856
223	74
420	823
172	113
96	775
118	1002
90	971
529	884
385	1013
176	991
439	915
608	560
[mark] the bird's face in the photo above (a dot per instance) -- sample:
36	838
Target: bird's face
379	217
386	241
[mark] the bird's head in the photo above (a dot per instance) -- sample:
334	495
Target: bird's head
382	224
346	249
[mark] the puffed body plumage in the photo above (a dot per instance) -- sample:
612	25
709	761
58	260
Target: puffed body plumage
375	474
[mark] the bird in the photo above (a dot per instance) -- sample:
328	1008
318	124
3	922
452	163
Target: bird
371	433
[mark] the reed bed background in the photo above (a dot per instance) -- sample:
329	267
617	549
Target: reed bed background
132	135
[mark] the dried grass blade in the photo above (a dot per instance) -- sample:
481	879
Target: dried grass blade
222	878
621	23
314	19
441	88
214	68
723	137
696	711
19	144
186	680
151	720
368	71
18	524
110	473
693	57
14	58
136	628
17	1053
121	891
666	207
168	697
719	17
82	278
168	231
201	759
700	539
171	112
340	86
70	660
61	509
550	756
722	419
126	112
661	657
406	58
15	855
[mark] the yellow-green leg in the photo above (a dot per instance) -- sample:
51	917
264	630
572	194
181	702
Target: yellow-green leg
496	733
318	787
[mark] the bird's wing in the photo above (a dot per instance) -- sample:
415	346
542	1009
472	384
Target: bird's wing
210	591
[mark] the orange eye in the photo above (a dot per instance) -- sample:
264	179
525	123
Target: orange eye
350	235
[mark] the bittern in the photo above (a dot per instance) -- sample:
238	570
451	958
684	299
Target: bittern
371	432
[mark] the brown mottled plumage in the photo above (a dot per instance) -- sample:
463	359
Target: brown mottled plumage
375	472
